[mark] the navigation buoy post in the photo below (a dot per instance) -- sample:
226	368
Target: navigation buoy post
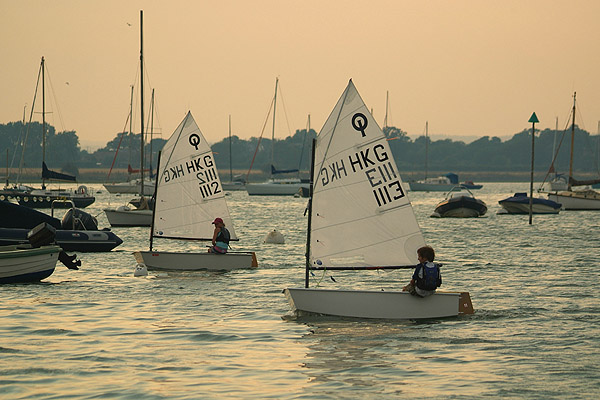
533	119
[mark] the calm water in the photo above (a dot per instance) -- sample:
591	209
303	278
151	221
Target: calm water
100	332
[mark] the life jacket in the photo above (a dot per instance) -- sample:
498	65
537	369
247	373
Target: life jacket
431	278
223	236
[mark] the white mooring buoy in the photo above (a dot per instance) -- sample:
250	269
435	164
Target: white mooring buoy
274	237
140	270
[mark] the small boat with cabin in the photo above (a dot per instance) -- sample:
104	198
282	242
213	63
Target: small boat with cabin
519	204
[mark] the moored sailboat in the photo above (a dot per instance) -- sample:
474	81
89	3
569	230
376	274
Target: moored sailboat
141	215
360	218
274	186
189	196
46	197
586	199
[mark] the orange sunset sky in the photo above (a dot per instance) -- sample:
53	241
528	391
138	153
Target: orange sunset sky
470	68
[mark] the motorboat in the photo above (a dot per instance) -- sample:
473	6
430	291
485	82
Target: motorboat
35	260
460	203
19	264
77	231
519	204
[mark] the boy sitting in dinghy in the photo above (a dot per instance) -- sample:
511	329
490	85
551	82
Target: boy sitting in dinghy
427	276
220	238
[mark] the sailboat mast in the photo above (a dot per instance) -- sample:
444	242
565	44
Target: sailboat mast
273	131
309	209
155	194
151	131
426	145
230	155
142	102
130	131
572	144
385	120
555	134
43	120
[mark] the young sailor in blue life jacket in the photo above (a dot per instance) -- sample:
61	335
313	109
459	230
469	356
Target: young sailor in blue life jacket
220	238
427	276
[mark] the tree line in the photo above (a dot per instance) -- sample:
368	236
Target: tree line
63	152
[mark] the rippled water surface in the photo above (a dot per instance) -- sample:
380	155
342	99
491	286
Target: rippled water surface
100	332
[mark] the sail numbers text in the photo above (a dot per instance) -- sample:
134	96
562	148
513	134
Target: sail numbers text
204	170
378	168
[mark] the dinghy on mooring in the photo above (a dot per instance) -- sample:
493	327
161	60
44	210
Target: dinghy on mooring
360	218
189	196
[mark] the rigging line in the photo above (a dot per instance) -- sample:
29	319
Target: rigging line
578	111
260	139
555	156
333	131
285	111
321	279
174	146
304	143
118	147
19	140
60	118
28	125
287	120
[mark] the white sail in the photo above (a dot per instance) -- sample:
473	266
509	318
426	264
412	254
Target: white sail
189	194
361	215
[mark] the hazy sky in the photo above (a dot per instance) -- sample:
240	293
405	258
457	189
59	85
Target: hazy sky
470	68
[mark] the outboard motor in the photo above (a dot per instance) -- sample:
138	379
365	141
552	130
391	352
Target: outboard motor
83	220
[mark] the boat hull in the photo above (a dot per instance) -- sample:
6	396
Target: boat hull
276	188
161	260
461	207
45	201
577	200
378	304
19	265
130	188
519	204
128	217
520	208
233	186
68	240
430	187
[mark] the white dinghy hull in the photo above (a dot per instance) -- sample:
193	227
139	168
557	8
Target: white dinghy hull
378	304
162	260
577	200
127	217
19	264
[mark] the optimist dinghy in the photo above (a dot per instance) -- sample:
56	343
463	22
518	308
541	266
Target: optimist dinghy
360	218
189	196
